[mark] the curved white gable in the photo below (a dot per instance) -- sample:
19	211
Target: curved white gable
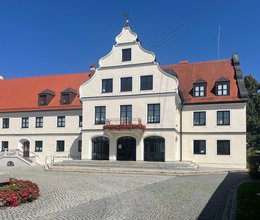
126	36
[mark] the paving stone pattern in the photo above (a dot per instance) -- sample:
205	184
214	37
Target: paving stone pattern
102	196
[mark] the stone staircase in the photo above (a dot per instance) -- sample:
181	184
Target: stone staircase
14	157
126	167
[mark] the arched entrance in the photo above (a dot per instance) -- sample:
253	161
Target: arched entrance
100	148
154	149
26	147
126	148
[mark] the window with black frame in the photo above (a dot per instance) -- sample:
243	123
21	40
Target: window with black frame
6	122
223	118
79	146
38	146
100	115
80	121
223	147
107	85
199	147
61	121
222	89
60	146
126	84
153	115
126	54
125	114
39	122
25	122
5	145
199	90
146	82
199	118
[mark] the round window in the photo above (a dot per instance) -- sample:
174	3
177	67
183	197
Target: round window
10	163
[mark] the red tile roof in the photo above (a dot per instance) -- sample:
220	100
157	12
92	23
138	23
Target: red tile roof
21	94
209	71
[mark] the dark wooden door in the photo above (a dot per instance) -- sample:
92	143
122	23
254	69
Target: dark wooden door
126	149
26	149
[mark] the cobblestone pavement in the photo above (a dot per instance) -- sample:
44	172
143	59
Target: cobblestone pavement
102	196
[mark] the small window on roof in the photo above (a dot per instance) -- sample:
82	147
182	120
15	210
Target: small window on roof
67	96
45	97
222	87
199	88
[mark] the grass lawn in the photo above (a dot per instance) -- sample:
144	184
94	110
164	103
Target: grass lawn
248	203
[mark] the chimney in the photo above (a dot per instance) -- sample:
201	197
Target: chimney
184	61
92	70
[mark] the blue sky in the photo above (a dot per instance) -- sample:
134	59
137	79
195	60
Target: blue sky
46	37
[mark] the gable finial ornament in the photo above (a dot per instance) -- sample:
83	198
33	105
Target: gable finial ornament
126	16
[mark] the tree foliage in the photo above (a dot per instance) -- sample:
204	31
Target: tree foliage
253	112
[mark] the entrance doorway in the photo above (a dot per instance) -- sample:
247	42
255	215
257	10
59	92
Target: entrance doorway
100	148
26	149
126	148
154	149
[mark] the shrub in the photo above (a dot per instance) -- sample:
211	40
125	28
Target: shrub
18	191
253	163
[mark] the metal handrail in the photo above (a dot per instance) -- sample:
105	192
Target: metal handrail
123	120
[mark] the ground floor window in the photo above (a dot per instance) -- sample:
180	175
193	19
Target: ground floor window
100	148
79	146
60	146
154	149
126	148
38	146
223	147
199	147
4	145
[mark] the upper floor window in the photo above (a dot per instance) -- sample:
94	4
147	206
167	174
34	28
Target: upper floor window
107	85
153	115
39	122
61	121
67	96
60	146
199	88
5	122
222	87
126	84
199	147
25	122
146	82
199	118
38	146
126	54
45	97
100	115
223	147
223	118
126	114
80	121
4	145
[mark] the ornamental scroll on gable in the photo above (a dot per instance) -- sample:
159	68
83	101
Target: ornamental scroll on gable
127	39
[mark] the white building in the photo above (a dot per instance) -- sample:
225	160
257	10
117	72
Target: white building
130	108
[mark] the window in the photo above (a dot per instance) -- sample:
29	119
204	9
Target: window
25	122
43	100
65	98
223	118
5	122
126	54
125	114
199	147
100	115
199	90
199	118
79	146
126	84
39	122
60	146
38	146
146	82
80	121
153	113
61	121
107	85
4	145
223	147
222	89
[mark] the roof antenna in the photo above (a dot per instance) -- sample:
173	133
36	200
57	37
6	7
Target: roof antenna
126	16
218	40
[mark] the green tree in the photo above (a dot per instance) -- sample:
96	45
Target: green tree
253	112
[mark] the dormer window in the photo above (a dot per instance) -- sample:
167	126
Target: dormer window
199	88
67	96
45	97
222	87
126	54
